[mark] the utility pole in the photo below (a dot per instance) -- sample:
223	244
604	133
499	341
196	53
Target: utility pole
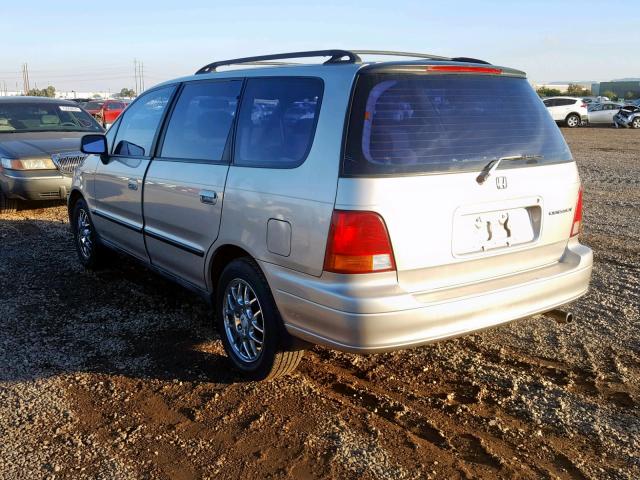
135	73
142	76
25	78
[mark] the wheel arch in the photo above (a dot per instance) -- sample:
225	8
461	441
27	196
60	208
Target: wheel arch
74	196
221	257
570	114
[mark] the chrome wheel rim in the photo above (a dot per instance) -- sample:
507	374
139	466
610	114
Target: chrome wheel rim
243	321
84	234
573	121
636	123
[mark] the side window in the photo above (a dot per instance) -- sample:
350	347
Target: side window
111	135
201	121
548	103
277	121
567	101
140	122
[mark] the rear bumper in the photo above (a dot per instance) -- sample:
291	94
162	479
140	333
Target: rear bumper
370	315
34	185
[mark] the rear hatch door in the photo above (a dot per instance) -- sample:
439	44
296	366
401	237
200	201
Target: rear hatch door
417	142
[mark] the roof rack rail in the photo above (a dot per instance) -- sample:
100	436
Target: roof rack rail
337	56
400	54
419	55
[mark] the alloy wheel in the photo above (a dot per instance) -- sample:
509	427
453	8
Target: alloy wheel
572	121
84	234
243	321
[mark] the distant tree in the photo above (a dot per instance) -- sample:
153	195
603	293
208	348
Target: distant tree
578	91
44	92
610	95
127	93
630	95
97	95
548	92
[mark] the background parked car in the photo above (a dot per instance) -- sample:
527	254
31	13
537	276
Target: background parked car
628	116
570	111
603	113
111	109
39	148
93	106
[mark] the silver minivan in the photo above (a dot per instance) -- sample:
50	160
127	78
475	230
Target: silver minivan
366	206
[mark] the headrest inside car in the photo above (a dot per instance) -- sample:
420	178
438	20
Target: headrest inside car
50	119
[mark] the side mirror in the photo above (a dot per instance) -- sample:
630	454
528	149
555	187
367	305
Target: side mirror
94	144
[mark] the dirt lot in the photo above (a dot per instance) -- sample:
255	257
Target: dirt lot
119	374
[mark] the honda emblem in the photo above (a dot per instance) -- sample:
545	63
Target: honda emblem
501	182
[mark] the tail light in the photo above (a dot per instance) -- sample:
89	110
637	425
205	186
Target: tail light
585	105
358	243
576	226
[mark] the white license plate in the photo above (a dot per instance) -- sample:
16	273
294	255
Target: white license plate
481	232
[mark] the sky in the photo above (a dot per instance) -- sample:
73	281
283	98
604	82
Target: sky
91	46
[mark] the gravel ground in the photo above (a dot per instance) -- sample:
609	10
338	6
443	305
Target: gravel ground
119	374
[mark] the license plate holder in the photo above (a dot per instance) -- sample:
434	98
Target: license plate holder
486	231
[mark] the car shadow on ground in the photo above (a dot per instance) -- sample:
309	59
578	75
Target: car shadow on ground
57	318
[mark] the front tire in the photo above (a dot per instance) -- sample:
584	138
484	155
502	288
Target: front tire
252	331
7	205
573	120
90	253
636	123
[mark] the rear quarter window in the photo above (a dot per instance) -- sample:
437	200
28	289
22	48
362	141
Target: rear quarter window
420	123
277	121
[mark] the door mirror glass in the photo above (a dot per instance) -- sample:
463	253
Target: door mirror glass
94	144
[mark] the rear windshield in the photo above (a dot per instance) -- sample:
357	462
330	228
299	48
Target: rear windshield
93	105
45	117
420	123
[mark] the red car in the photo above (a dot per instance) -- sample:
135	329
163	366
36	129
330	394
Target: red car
93	106
105	111
111	109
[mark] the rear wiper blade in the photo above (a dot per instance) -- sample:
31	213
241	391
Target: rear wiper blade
491	167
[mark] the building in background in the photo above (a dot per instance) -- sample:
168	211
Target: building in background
625	89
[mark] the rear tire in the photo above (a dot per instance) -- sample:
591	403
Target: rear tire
573	120
7	205
90	252
244	306
636	123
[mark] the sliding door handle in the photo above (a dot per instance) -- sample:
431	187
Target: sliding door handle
209	197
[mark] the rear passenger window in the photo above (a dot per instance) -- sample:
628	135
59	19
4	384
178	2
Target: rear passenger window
140	122
277	121
201	121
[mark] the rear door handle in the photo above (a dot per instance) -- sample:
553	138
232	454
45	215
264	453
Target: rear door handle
133	184
209	197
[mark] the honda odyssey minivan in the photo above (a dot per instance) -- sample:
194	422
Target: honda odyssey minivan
366	206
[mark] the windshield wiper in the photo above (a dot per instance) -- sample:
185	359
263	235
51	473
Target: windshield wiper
491	167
